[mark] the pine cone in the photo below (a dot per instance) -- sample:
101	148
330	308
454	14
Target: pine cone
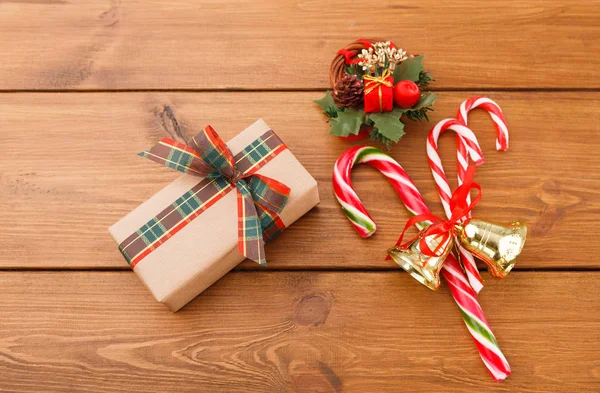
348	91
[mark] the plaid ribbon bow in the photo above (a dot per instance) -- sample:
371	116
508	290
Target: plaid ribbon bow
258	196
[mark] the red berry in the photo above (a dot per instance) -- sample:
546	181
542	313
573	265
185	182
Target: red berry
406	94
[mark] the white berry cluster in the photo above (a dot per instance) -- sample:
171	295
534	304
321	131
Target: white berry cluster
380	54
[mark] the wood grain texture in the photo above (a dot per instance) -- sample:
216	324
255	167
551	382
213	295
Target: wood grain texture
69	169
273	44
297	331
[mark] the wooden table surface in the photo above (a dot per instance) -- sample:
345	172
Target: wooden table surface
86	85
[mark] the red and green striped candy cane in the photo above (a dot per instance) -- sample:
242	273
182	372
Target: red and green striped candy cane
346	196
462	292
465	290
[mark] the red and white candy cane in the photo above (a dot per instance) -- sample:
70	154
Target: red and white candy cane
495	113
462	155
497	116
473	150
461	290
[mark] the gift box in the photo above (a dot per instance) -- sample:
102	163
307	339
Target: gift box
378	93
203	224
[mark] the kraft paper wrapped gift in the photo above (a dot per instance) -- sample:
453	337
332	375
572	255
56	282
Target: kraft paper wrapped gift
203	246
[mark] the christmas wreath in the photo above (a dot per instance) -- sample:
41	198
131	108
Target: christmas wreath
376	86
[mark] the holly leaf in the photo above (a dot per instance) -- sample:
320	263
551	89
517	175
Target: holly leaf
326	101
409	69
347	122
426	100
331	111
388	124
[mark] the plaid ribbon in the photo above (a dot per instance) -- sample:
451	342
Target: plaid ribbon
260	199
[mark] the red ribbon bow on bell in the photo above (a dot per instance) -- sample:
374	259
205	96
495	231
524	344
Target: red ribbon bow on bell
443	229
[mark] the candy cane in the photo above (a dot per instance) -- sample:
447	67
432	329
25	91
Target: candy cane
346	196
497	116
461	290
474	151
462	161
495	113
465	295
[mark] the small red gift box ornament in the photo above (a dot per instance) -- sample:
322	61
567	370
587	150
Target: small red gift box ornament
379	92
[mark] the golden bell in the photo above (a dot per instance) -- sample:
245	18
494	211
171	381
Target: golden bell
496	245
423	268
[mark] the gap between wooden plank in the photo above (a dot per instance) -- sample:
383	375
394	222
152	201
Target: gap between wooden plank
302	90
247	269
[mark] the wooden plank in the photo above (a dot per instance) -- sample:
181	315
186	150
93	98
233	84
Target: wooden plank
297	331
69	169
258	44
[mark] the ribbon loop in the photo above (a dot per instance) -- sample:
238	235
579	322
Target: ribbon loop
268	193
213	150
